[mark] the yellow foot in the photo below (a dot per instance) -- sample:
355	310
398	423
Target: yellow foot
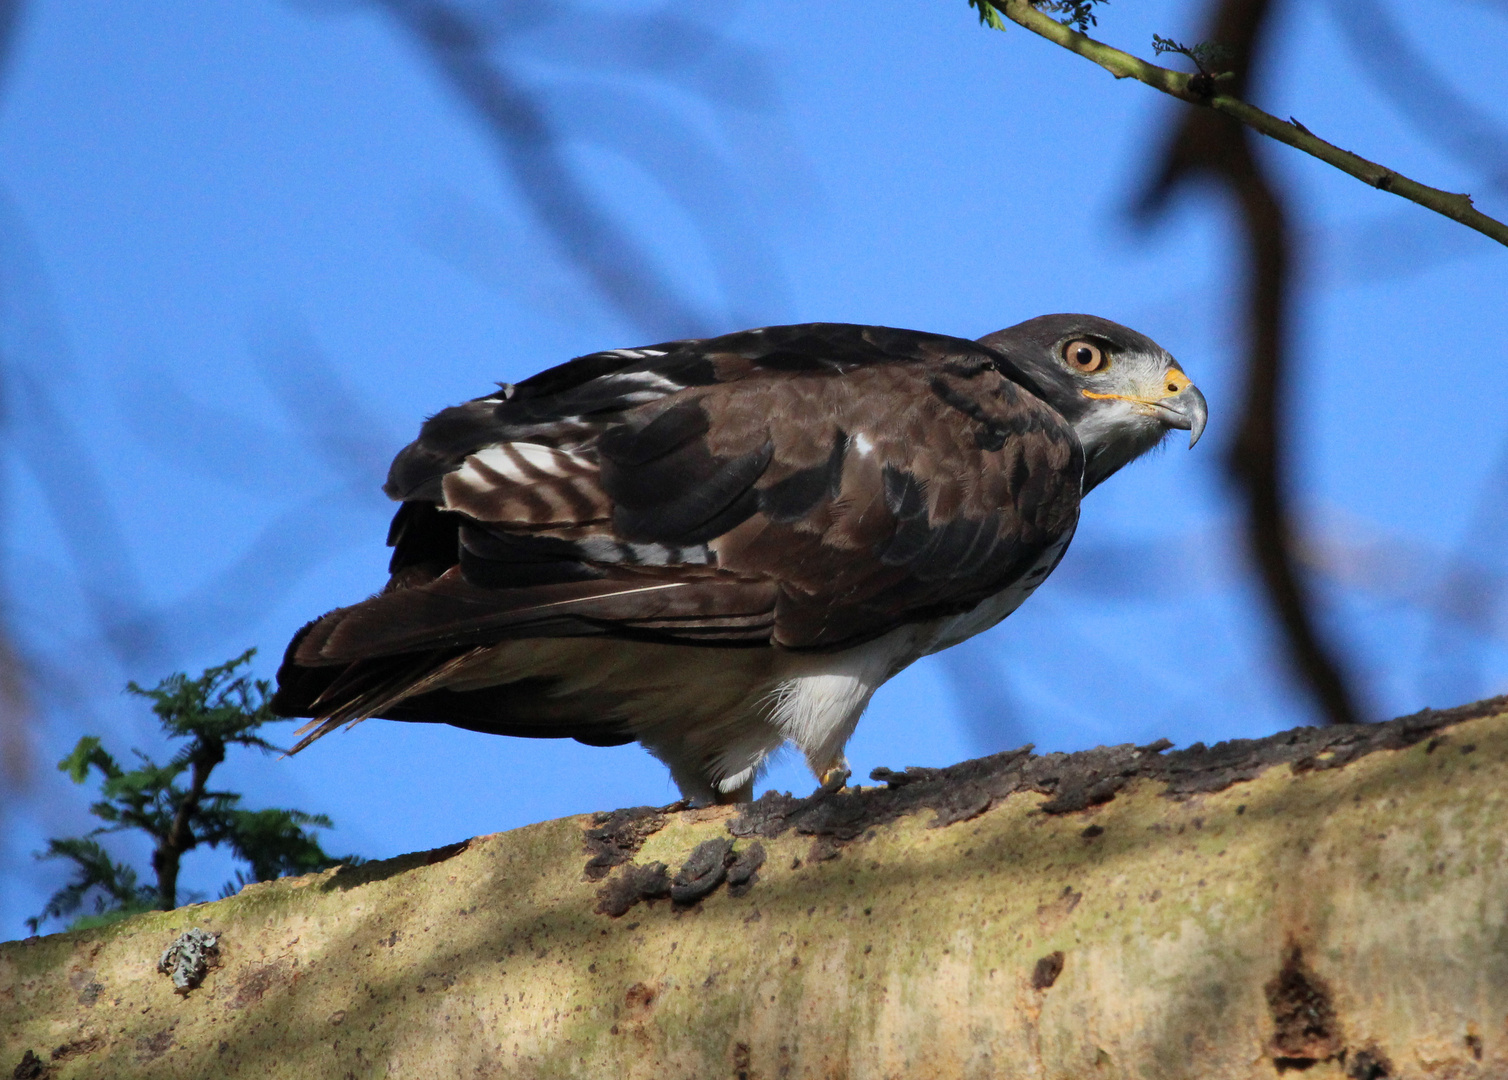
835	777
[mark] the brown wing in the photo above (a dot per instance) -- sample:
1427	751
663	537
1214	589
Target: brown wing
811	486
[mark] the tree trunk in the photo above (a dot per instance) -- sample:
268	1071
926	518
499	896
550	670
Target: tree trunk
1328	900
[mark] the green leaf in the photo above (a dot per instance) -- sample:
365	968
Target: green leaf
277	842
88	752
988	16
219	707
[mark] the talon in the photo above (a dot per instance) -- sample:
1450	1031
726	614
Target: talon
835	778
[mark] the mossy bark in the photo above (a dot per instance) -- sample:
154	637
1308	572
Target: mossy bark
1340	911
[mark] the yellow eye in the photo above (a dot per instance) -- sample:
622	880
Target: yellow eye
1084	356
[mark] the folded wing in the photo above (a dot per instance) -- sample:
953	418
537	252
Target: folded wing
809	487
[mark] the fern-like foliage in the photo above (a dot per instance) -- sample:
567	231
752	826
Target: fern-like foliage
1206	55
1078	14
173	805
112	885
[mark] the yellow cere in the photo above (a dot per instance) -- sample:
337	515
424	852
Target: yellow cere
1173	382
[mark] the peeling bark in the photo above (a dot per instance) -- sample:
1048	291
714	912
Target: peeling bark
1332	901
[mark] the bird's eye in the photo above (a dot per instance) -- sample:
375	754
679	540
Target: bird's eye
1084	356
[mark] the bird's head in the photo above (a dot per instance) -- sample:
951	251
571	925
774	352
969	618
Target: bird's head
1121	391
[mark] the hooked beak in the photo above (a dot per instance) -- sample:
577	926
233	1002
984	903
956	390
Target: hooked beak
1186	410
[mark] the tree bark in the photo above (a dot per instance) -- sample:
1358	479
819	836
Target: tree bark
1331	900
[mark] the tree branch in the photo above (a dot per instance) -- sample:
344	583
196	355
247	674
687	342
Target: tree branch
1203	90
1329	900
180	837
1207	145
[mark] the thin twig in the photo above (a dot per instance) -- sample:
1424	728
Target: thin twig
1202	90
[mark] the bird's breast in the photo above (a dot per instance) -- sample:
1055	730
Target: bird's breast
989	611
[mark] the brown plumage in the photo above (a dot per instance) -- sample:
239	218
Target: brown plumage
712	546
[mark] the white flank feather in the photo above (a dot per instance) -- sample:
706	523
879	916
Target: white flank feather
523	463
821	697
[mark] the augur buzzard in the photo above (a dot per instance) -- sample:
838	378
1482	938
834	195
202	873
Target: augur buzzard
715	546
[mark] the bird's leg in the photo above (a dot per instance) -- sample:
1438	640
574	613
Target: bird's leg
835	776
741	794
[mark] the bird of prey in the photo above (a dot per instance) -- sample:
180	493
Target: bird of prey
716	546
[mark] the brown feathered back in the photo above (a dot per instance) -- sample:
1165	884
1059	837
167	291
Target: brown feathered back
806	487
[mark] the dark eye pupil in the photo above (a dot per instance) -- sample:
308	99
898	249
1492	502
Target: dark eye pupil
1085	356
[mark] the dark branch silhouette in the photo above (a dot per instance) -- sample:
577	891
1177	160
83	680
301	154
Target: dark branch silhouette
332	438
1208	145
532	127
39	429
1464	603
10	19
1211	89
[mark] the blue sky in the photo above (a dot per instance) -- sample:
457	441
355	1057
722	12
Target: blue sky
246	248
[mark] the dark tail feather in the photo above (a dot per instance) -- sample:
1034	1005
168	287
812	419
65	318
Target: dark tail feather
370	688
299	686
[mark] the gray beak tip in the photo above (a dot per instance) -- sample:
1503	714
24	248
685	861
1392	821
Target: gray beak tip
1186	411
1198	413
